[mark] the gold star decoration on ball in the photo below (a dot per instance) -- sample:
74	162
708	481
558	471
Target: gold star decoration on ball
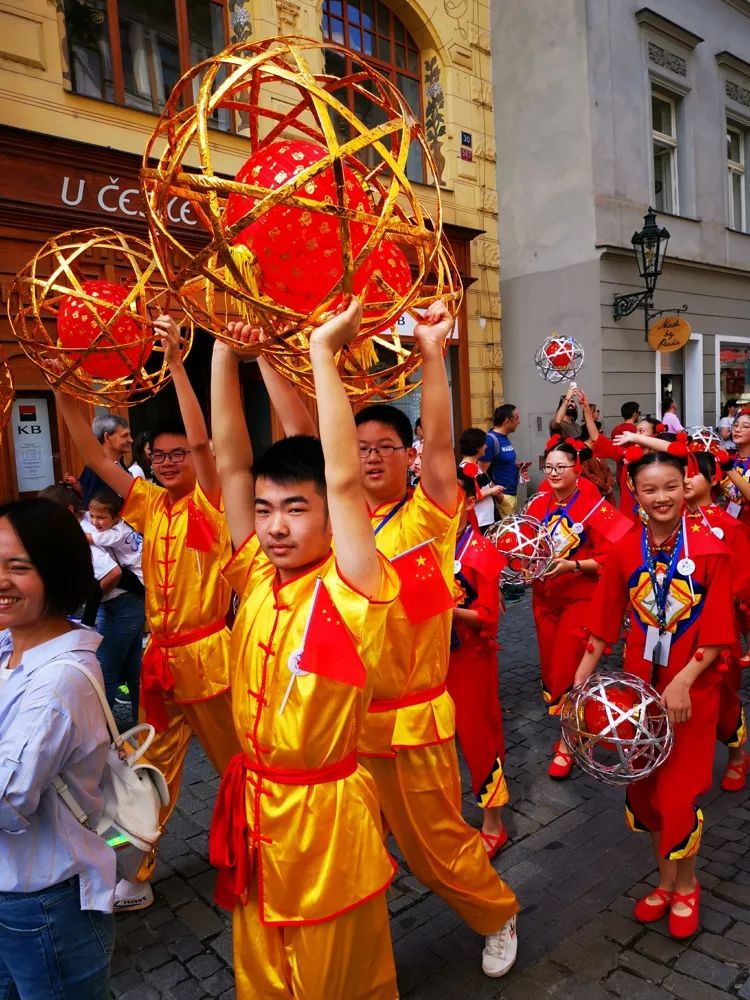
322	208
7	394
93	336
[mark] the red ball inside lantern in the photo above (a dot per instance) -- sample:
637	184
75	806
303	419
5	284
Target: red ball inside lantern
388	262
298	250
559	353
77	329
596	719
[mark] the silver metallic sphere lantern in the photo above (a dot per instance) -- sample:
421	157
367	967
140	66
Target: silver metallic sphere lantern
526	546
559	359
617	727
704	439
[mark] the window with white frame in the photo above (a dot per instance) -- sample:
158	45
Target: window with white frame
664	141
736	167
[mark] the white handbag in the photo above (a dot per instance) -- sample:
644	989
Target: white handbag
134	791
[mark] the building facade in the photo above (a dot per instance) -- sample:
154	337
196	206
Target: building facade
82	82
623	106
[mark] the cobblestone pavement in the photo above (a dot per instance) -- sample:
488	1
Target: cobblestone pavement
573	863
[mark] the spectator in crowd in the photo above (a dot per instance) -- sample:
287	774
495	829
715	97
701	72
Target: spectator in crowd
631	413
57	876
122	612
670	419
596	468
729	412
140	468
565	421
471	446
415	466
113	434
499	457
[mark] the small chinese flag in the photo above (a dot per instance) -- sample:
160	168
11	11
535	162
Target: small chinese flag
328	649
424	592
200	532
609	522
701	541
482	556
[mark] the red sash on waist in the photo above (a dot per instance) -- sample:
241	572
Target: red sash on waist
157	679
229	847
412	698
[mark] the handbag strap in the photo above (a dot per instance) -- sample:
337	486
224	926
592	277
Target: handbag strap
111	724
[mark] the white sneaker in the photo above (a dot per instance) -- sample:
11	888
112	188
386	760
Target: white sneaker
132	896
500	950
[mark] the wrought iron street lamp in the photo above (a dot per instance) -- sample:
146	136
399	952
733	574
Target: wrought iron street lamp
650	246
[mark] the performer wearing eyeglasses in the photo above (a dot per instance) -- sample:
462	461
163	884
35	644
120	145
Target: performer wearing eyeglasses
576	518
185	673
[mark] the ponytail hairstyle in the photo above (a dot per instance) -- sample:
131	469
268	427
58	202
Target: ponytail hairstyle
655	458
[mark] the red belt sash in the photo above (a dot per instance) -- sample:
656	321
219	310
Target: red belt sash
229	846
157	679
412	698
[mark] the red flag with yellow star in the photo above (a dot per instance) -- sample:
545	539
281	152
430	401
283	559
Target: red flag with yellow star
701	541
424	592
329	649
609	522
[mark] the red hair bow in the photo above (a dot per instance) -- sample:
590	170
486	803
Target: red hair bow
554	440
470	469
633	453
678	448
681	437
660	428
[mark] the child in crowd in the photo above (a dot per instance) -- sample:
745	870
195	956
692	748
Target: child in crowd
296	831
471	446
472	671
657	573
122	613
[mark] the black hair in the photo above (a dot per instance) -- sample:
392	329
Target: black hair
296	459
472	440
417	423
140	441
109	499
655	458
466	483
725	407
502	413
706	463
666	404
174	427
391	416
629	409
65	495
568	449
654	421
58	550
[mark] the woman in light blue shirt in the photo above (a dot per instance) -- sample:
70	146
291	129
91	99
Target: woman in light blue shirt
57	877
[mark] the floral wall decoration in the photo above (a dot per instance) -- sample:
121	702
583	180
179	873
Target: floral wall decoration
240	25
434	114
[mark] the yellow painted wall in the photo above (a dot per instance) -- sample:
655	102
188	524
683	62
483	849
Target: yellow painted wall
456	32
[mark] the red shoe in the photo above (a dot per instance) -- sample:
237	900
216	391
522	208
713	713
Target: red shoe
494	843
685	927
735	775
562	763
646	913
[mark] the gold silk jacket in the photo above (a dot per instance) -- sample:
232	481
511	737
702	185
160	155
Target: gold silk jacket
319	848
185	591
414	663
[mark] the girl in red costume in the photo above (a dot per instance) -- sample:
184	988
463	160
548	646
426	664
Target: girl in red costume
602	447
732	728
472	671
560	598
679	605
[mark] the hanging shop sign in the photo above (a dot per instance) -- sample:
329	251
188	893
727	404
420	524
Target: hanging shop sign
669	333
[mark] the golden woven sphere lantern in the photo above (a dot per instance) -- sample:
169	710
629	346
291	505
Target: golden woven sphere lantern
7	394
321	209
93	337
